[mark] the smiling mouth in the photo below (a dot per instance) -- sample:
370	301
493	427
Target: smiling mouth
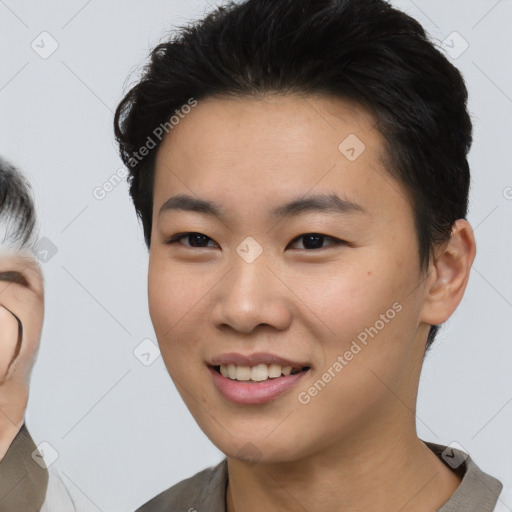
257	373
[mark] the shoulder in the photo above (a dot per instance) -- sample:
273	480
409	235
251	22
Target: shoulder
477	490
22	460
205	491
504	503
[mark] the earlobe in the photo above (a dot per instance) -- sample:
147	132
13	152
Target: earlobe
449	274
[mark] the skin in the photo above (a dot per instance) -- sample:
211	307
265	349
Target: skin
354	446
22	295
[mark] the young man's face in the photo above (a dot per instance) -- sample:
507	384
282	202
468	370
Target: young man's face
358	303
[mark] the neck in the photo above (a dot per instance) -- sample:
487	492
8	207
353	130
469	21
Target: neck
388	472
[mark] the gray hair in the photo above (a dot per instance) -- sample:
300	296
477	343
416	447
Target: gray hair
17	210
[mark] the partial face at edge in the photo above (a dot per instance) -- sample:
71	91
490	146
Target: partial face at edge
307	299
21	298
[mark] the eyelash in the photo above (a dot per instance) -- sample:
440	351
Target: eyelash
336	241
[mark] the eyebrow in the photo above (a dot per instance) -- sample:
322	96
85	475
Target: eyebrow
320	203
12	276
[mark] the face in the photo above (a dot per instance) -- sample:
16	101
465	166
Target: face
21	318
248	287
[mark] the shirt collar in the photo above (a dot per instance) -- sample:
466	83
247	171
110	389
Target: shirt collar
477	492
23	482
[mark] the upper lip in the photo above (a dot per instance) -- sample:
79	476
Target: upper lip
254	359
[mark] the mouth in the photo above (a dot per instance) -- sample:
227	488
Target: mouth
257	373
257	384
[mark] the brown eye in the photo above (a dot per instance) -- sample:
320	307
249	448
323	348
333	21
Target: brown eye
195	240
313	241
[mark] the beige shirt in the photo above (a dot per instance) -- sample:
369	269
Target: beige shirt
206	491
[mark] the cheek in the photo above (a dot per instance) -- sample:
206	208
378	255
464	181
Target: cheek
28	307
174	298
166	294
32	318
370	312
8	339
351	299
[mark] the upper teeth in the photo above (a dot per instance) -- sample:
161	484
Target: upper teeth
257	373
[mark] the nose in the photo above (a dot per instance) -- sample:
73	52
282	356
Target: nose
251	295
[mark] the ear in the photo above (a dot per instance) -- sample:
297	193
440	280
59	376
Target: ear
448	274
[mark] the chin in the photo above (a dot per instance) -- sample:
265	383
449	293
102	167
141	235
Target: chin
253	449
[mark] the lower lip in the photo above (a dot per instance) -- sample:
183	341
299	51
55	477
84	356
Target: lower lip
254	393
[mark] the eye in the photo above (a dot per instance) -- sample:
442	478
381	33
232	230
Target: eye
194	239
315	240
311	240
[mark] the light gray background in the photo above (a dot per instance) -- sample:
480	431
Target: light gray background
119	427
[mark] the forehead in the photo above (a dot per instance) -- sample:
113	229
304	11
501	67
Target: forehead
252	149
291	124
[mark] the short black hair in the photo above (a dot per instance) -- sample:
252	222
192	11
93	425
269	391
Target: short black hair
365	51
17	210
